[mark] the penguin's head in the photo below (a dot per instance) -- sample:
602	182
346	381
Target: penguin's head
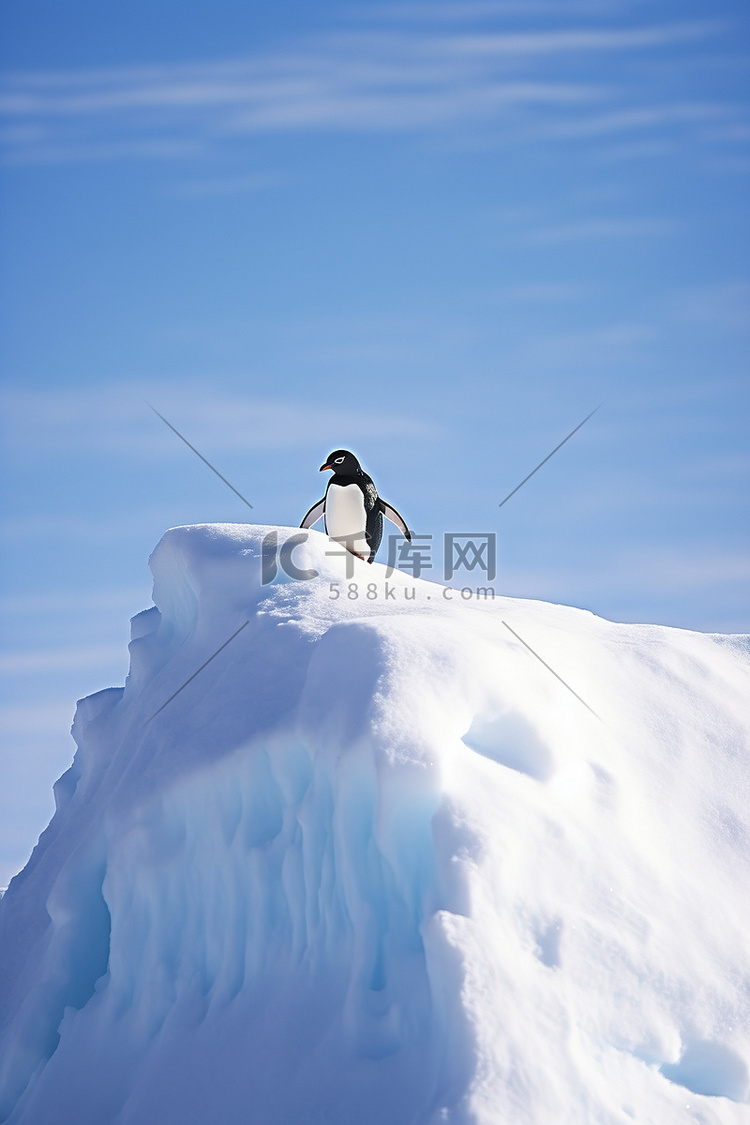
342	462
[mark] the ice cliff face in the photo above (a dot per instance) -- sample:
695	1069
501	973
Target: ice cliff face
375	863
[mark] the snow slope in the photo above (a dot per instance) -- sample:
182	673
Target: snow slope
376	864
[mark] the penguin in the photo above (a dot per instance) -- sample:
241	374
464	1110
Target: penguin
352	509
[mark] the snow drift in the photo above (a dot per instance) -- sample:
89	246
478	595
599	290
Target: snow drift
374	863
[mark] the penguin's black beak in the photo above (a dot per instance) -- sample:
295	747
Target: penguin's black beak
322	467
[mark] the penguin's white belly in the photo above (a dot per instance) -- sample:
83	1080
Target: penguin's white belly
345	514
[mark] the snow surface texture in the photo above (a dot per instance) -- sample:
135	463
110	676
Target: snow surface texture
376	865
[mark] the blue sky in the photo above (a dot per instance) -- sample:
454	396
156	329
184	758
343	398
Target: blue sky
439	234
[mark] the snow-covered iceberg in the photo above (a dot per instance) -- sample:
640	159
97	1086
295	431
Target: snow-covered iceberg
392	855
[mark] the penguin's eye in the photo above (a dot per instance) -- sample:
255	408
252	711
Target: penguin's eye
339	461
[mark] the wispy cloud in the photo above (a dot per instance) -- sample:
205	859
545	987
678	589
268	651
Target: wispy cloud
535	226
576	41
540	293
599	228
727	165
58	660
724	306
633	152
487	9
116	421
52	152
668	570
665	575
71	601
595	349
222	186
392	76
36	719
732	467
645	118
83	529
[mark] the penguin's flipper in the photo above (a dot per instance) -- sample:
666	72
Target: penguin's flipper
314	514
392	515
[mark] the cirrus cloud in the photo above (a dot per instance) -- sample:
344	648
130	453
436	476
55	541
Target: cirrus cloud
519	83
